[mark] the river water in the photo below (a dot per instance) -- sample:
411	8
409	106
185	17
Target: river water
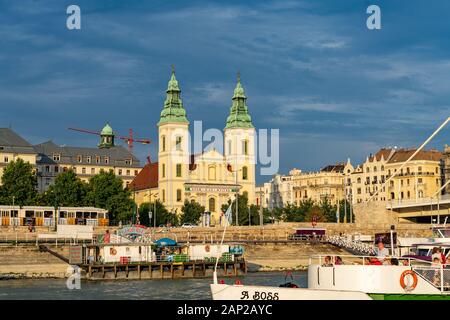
177	289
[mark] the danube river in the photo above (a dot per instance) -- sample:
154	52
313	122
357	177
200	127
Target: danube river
179	289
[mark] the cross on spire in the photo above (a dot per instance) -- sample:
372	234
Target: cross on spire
173	68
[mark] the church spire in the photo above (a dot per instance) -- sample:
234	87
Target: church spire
173	110
239	116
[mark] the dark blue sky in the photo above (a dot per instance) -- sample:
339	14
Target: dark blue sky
310	68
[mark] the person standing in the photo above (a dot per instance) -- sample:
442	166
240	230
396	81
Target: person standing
381	251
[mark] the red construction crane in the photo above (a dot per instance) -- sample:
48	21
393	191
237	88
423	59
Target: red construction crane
130	140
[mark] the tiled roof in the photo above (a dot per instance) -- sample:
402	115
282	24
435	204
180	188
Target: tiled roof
402	155
69	155
383	152
147	178
338	167
12	142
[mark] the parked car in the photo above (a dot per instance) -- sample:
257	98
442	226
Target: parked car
188	225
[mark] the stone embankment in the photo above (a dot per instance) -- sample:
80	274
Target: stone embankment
26	261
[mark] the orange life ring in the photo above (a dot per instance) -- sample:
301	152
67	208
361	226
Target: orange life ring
113	251
207	248
402	280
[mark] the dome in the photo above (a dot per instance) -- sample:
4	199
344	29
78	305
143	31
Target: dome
107	130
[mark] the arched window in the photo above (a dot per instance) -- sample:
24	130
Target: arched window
178	140
163	143
212	173
212	204
244	173
245	147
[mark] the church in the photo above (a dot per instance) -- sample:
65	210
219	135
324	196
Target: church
210	177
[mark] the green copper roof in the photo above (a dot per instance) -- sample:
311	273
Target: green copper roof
239	116
107	130
173	110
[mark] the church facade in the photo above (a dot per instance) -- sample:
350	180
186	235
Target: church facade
212	177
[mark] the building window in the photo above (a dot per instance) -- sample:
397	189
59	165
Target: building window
88	159
382	168
128	172
420	169
107	160
56	169
374	169
163	143
358	180
120	172
178	143
212	205
128	162
179	195
212	173
56	157
79	159
135	172
6	159
92	170
419	180
47	168
97	159
163	173
83	170
244	173
178	170
245	147
367	169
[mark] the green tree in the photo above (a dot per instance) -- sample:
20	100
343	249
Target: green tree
316	212
68	190
105	190
328	210
163	217
191	212
242	209
19	181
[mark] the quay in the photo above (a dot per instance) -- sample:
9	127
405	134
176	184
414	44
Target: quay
164	270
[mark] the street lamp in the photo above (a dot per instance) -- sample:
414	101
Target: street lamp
154	209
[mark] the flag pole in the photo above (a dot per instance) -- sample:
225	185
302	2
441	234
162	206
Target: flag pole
221	243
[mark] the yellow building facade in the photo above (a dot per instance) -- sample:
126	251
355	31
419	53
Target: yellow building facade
13	147
421	178
211	178
328	183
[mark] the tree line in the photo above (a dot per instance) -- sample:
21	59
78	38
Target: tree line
105	190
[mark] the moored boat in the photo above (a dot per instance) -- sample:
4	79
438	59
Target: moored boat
356	279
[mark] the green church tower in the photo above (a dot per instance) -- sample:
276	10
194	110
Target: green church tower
173	110
106	137
239	116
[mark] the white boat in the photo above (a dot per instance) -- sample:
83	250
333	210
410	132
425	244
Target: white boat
353	280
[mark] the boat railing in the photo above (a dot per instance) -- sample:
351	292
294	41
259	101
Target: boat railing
354	245
436	275
365	260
